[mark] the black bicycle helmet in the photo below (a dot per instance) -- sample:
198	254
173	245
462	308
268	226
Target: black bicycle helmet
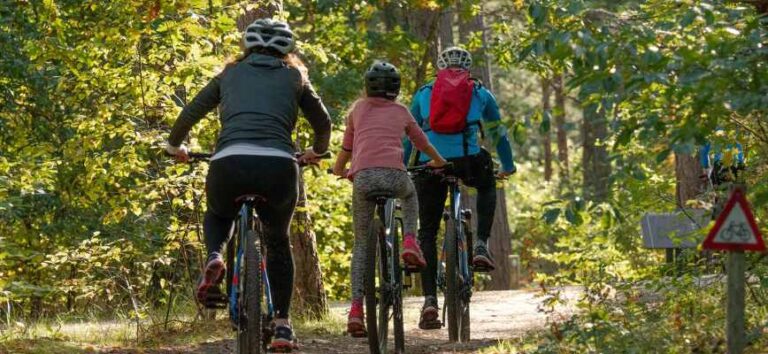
382	80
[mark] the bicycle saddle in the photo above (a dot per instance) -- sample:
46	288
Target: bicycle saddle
250	198
377	194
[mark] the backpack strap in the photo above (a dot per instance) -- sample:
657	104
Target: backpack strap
465	135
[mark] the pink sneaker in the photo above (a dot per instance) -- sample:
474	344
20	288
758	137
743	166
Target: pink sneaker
355	321
412	256
211	276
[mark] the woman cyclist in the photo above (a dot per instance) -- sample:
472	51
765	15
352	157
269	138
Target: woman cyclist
373	141
258	97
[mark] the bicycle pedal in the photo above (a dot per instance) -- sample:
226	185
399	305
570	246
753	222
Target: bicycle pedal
215	299
411	270
215	305
482	269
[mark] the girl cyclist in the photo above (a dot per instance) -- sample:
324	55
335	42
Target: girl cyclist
373	141
258	98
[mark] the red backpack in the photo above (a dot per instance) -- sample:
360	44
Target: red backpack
451	98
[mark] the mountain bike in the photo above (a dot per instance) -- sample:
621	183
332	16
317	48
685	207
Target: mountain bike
455	276
383	281
248	298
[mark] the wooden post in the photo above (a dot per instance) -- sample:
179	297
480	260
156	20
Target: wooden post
735	309
514	271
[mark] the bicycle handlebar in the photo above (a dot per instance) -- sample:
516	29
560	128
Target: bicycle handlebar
193	156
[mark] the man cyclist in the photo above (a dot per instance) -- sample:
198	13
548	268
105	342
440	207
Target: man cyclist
258	96
721	163
451	110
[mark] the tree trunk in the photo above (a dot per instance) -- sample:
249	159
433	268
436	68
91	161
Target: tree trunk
562	138
446	29
389	15
425	23
596	166
499	243
309	298
687	172
264	9
546	91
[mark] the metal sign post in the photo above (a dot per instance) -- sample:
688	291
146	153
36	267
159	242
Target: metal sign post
735	231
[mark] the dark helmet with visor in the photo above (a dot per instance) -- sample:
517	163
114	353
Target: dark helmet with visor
382	80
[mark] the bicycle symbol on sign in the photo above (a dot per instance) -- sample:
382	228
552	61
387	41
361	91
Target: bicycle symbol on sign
736	230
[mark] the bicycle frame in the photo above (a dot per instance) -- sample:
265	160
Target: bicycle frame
455	213
387	305
388	219
247	213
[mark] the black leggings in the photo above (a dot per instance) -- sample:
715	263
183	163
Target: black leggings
475	171
275	179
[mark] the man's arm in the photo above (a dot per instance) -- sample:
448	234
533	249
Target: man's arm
416	113
498	132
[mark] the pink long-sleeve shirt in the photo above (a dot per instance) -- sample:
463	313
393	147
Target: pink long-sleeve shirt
374	134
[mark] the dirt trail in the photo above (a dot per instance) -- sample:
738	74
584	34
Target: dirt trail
496	315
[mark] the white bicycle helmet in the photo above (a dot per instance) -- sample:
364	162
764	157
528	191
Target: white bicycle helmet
269	33
454	56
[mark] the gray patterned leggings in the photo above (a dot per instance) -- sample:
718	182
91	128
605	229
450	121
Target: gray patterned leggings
396	181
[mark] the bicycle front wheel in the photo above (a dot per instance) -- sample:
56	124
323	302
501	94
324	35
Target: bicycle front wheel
249	339
377	300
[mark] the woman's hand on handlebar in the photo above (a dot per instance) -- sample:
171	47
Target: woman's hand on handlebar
309	157
181	153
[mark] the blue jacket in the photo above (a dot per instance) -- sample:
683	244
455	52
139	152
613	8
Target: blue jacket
717	152
483	107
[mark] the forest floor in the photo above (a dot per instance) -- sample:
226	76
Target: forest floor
496	317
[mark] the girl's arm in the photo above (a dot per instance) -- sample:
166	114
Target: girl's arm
421	142
437	159
340	167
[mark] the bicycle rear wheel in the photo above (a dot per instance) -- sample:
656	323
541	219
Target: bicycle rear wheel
452	298
377	300
249	339
397	291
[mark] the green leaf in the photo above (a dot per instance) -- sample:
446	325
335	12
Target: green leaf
519	133
546	123
663	155
551	215
538	13
573	216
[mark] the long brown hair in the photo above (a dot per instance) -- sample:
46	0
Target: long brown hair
290	59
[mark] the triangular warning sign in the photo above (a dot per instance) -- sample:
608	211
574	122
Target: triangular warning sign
735	228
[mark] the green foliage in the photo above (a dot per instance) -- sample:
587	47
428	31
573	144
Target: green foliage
92	216
667	75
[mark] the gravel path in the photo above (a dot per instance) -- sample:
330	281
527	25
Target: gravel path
496	316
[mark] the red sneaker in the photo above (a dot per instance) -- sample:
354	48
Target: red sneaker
356	321
412	256
211	276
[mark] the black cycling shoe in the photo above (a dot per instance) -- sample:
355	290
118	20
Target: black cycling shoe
482	261
283	340
429	314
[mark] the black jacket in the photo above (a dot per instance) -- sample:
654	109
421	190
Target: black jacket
259	98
